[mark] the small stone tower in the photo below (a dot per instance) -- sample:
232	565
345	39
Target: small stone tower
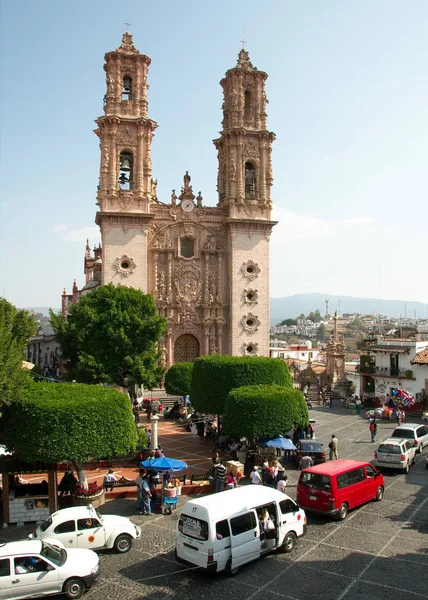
244	191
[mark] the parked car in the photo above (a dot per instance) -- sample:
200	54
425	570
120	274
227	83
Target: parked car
395	453
335	487
416	434
311	448
84	527
30	569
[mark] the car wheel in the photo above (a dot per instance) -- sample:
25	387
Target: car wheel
74	588
229	571
379	493
122	543
343	512
289	542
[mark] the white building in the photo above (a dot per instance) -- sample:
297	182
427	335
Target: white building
304	352
386	363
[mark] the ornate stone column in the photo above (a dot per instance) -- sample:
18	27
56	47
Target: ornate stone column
262	184
140	159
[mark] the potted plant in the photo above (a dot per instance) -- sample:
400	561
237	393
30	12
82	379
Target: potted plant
95	495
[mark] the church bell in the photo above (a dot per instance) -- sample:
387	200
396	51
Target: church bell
125	164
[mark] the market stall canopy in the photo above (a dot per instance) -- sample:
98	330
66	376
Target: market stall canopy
278	442
164	464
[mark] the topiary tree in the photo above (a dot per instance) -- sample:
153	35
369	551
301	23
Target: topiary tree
263	411
55	423
215	376
178	379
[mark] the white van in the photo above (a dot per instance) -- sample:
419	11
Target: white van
223	531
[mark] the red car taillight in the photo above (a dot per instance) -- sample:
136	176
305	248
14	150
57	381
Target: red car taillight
323	455
403	457
415	443
210	556
375	455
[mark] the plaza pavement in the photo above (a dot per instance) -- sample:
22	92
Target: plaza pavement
378	553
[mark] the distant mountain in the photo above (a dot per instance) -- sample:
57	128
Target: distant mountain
292	306
41	309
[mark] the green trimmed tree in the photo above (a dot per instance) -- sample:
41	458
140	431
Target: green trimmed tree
263	411
215	376
178	379
55	423
16	326
111	336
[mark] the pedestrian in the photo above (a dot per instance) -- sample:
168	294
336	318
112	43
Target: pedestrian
158	452
136	411
145	497
109	480
219	476
333	446
402	417
282	484
138	481
425	416
373	430
231	481
331	400
265	472
255	476
358	405
398	415
305	462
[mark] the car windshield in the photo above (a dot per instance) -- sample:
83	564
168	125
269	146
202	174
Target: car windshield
46	524
389	449
408	434
56	555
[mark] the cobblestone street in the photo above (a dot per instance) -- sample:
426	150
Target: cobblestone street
380	551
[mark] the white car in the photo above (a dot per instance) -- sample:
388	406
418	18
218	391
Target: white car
84	527
30	569
417	434
395	453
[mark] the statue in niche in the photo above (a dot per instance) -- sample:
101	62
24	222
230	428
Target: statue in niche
199	200
173	198
187	180
211	242
154	185
232	167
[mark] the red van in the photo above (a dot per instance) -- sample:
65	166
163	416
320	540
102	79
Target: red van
335	487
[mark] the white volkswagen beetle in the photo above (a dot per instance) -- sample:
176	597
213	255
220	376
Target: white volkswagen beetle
84	527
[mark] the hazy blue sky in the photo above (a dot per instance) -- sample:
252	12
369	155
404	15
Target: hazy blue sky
348	91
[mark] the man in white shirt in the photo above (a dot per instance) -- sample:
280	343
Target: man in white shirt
282	484
255	476
306	462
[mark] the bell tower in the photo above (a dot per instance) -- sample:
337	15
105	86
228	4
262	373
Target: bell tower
244	191
126	187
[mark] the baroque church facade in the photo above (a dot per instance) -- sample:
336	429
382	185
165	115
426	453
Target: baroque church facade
206	267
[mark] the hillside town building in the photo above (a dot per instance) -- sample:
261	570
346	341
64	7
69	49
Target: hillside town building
207	267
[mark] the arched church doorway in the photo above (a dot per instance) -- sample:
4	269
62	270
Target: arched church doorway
186	348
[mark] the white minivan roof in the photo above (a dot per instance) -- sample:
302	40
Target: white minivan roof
224	504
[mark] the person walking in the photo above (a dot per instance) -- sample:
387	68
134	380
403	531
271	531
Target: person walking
220	472
305	462
333	446
358	404
255	476
373	430
282	484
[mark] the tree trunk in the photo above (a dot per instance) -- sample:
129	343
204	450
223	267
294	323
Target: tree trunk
81	475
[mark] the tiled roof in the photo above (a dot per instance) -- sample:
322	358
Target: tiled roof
421	358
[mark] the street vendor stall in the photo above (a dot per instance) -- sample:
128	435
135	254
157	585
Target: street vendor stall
25	502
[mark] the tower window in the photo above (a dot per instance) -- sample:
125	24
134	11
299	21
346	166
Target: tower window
248	104
127	88
250	180
126	163
187	247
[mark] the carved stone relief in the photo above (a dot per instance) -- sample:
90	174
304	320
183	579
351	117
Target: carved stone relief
250	349
188	283
124	265
250	296
250	270
250	323
125	199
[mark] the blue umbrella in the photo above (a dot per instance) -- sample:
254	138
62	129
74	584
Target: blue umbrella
164	464
278	442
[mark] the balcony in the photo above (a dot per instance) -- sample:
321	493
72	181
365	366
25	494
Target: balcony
386	372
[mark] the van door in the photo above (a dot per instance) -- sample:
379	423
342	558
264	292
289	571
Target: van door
245	539
289	519
5	578
222	544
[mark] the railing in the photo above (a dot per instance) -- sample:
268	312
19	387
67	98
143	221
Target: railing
386	371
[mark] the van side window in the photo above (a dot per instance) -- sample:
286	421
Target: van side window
351	477
243	523
222	529
287	506
4	567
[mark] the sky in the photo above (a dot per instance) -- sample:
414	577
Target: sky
348	98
